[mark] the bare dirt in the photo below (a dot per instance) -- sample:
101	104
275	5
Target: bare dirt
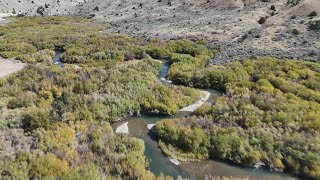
232	26
9	66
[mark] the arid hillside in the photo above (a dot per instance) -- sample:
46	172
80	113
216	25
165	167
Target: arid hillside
238	28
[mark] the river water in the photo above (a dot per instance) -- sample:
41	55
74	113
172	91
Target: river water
138	127
57	58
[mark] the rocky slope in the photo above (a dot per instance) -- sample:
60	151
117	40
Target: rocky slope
239	28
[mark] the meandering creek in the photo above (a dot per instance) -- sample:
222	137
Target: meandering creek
138	127
159	163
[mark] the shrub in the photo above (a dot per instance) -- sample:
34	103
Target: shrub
262	20
83	172
313	14
22	100
315	25
36	118
59	137
295	32
159	53
47	167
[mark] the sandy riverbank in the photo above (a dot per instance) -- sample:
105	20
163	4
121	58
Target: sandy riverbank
175	161
123	129
204	97
151	126
9	66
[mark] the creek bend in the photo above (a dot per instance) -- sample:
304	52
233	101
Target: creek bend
139	127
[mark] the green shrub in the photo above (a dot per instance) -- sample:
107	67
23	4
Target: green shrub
22	100
159	53
83	172
47	167
36	118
